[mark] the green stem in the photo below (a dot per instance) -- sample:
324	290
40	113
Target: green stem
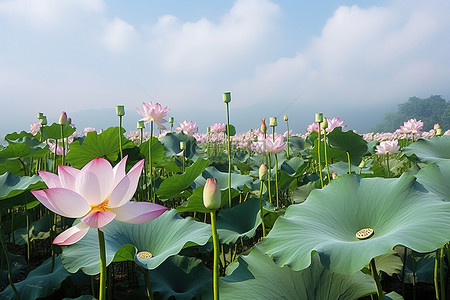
150	169
349	163
120	137
375	276
318	157
414	273
55	156
325	153
8	263
436	280
63	158
229	156
147	284
403	270
216	256
276	179
261	208
28	233
287	139
441	272
268	177
388	168
102	288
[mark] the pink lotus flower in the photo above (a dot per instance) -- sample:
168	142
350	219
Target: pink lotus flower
98	193
387	147
333	123
35	127
187	127
312	127
153	112
218	127
267	145
411	126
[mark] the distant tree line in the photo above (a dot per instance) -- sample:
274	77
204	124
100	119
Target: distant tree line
431	110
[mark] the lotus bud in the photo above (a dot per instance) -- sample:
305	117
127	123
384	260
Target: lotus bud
262	171
273	121
69	120
263	126
40	115
43	120
227	97
319	117
211	194
439	131
171	120
436	126
182	145
208	129
285	117
63	118
334	175
324	124
120	110
140	125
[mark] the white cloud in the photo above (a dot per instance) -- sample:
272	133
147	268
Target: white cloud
119	35
202	46
47	13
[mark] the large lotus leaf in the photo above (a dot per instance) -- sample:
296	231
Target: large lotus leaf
341	168
171	142
238	181
26	147
272	282
11	185
294	166
333	154
436	178
241	220
20	199
14	135
105	144
180	277
13	166
172	186
349	142
18	269
40	283
195	201
38	230
431	150
157	150
390	263
423	267
54	131
164	236
399	211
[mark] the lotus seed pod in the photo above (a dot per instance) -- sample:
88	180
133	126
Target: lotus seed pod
439	131
208	129
319	117
182	145
120	110
263	126
171	120
273	121
211	194
40	115
262	171
324	124
227	97
436	126
140	125
43	120
63	118
285	117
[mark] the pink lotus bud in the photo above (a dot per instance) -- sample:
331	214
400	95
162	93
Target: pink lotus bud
262	171
285	117
263	126
334	175
63	118
212	197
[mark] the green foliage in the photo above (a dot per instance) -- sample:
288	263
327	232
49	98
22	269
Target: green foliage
431	110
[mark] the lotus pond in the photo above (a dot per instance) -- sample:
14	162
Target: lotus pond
167	212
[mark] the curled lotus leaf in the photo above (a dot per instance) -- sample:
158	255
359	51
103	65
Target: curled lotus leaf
430	151
435	178
399	210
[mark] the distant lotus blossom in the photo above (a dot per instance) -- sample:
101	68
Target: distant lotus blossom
187	127
267	145
153	112
312	127
98	193
411	126
59	150
88	129
387	147
218	127
35	127
333	123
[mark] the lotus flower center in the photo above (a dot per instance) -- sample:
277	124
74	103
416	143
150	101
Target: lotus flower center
102	206
364	233
144	255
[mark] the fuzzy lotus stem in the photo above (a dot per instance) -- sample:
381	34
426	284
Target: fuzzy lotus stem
287	137
28	233
216	255
261	208
388	168
276	169
120	137
325	153
8	263
54	157
375	276
318	157
349	163
150	169
436	280
269	167
148	286
414	273
403	270
229	156
441	272
102	288
63	158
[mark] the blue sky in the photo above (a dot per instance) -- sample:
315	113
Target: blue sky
348	59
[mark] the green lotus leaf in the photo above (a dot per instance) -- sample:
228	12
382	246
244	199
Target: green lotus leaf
350	142
105	145
430	150
172	186
341	168
157	150
40	283
14	136
13	166
164	236
272	282
20	199
238	181
180	277
54	131
423	267
26	147
400	213
241	220
18	270
39	230
11	185
171	142
392	296
390	263
436	179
